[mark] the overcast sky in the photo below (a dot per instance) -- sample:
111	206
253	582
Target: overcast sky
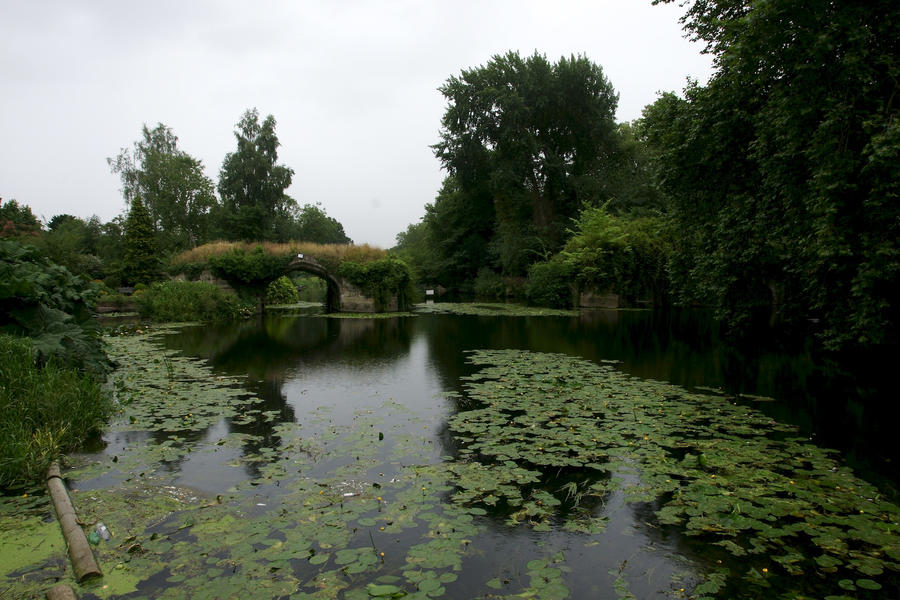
352	85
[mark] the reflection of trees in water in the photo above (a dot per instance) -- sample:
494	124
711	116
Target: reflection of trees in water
268	349
847	408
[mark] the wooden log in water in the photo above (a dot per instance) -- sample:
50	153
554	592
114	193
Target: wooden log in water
61	592
83	561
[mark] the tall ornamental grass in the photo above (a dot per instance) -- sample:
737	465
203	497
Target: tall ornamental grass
329	255
44	412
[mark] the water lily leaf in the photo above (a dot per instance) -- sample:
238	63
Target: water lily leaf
384	591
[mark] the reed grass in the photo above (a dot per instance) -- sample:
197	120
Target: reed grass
325	253
44	412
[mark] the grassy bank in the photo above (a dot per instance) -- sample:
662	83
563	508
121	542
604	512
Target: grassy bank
44	411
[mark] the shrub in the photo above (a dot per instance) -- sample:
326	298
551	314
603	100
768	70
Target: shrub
44	411
550	284
189	301
629	255
44	301
490	284
282	291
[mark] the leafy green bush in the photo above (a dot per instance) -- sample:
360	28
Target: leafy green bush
44	411
489	284
191	270
189	301
381	279
628	255
251	268
550	284
44	301
282	291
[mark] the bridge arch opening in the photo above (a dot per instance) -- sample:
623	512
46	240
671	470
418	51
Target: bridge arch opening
333	288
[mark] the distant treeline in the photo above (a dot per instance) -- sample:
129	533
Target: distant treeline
173	207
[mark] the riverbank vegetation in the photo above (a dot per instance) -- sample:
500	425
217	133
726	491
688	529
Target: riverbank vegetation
190	301
52	363
45	410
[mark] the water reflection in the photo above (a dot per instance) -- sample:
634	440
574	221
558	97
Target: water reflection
296	363
361	370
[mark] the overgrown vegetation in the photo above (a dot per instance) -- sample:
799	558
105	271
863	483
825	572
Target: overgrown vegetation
45	302
628	256
190	301
551	284
782	172
382	280
282	291
329	255
45	410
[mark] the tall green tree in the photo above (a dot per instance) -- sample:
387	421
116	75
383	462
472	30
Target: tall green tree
171	183
415	247
783	170
530	139
141	261
460	226
312	224
251	183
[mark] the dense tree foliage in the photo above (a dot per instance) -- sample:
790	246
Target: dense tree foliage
526	144
606	253
178	195
17	220
782	172
75	244
381	279
310	223
251	183
141	260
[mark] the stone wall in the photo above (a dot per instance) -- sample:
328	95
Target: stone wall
593	298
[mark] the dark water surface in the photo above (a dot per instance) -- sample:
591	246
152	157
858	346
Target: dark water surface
326	372
299	363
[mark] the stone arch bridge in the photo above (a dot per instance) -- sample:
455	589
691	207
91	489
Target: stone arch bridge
342	296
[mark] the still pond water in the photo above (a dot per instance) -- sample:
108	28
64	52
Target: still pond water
361	458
